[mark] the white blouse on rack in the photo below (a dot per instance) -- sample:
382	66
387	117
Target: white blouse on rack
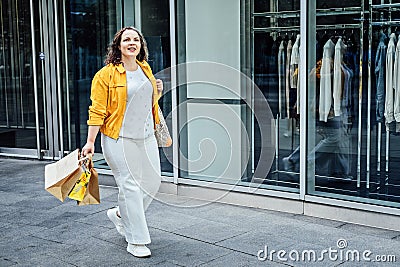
340	49
390	61
396	83
325	89
294	62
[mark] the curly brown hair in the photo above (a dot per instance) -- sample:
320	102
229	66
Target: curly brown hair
114	53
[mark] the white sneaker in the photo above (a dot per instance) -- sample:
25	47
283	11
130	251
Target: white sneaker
112	215
140	251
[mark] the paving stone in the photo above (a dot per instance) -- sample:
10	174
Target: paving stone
276	213
106	191
320	221
365	230
171	220
97	219
71	206
54	221
236	259
112	236
44	261
170	200
190	252
39	202
3	226
112	255
198	204
15	230
397	238
112	197
233	215
4	262
299	231
163	240
91	209
29	216
254	241
9	198
70	232
166	264
29	248
190	207
211	231
28	189
6	213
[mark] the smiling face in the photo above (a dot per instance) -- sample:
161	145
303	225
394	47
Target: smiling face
130	45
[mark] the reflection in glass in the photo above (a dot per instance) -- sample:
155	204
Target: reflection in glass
91	25
276	46
17	107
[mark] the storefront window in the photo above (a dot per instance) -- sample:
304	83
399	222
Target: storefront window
276	43
354	137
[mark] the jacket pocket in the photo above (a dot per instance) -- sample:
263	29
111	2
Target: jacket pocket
117	93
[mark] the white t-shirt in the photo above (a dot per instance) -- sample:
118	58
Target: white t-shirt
138	117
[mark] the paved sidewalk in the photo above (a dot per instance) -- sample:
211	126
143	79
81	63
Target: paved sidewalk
36	229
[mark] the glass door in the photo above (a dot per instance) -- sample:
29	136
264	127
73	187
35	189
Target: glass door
19	95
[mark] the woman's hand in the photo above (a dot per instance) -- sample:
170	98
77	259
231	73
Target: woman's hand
88	149
159	85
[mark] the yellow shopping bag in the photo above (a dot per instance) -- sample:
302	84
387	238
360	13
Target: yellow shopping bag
92	194
79	190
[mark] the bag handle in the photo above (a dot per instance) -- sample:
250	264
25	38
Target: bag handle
88	156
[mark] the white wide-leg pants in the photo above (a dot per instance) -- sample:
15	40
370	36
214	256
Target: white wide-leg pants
135	165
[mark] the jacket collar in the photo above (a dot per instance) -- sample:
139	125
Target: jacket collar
143	64
120	68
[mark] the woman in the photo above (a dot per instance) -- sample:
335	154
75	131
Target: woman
124	109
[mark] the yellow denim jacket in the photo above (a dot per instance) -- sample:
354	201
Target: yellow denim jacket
109	96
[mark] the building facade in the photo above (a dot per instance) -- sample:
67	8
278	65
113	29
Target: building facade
284	105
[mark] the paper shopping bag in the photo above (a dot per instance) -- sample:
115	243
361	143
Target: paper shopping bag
61	176
92	194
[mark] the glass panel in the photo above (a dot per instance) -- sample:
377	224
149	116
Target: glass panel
155	21
355	137
276	44
17	108
215	94
334	124
209	113
91	26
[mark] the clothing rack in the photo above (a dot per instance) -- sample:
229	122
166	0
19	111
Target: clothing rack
320	12
384	6
278	29
318	28
386	23
381	8
361	27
